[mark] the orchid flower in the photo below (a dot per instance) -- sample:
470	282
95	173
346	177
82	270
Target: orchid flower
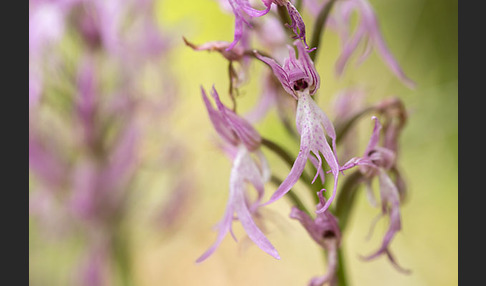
244	12
324	230
375	163
242	141
300	79
367	30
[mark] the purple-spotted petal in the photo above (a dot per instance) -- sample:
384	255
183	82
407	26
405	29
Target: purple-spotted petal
317	162
298	25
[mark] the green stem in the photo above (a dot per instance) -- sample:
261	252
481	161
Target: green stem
342	210
121	255
347	195
319	28
341	269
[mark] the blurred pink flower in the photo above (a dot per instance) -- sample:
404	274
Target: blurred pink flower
244	12
368	30
241	140
324	230
375	162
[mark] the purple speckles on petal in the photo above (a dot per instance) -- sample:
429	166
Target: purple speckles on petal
311	126
297	25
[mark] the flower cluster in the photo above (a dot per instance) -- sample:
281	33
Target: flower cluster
291	84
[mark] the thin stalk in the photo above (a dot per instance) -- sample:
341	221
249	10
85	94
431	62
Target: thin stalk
341	269
342	210
122	259
346	198
319	28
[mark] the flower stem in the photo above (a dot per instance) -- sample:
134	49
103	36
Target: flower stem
319	28
122	259
346	198
341	269
342	210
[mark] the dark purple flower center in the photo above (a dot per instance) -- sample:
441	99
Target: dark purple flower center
328	234
300	84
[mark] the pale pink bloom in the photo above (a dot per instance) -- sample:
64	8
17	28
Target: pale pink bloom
300	79
241	140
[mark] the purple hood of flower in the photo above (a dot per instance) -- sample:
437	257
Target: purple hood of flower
296	74
324	226
232	128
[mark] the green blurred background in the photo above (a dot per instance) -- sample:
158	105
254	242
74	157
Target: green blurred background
422	34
